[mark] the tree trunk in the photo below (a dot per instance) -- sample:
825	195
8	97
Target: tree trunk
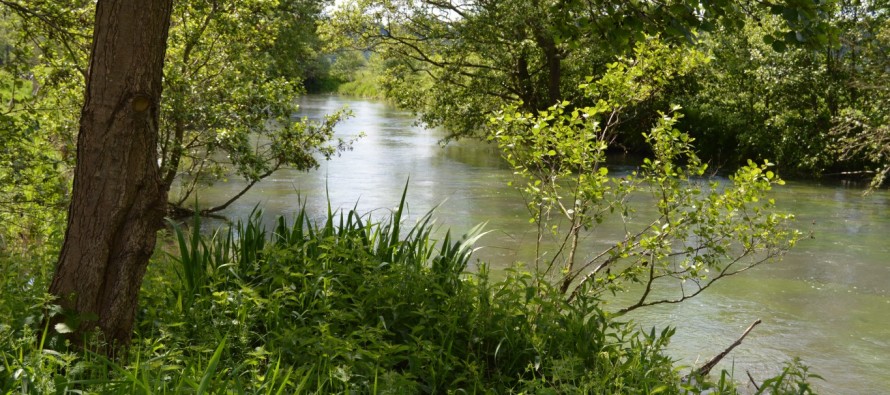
118	199
525	85
554	68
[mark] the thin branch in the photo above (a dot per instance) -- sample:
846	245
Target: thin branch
706	368
239	194
701	288
421	56
65	35
450	7
757	387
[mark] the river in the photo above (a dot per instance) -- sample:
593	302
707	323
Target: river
826	302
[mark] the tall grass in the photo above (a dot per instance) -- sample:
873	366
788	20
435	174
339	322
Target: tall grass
348	304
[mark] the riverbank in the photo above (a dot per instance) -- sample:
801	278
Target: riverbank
346	304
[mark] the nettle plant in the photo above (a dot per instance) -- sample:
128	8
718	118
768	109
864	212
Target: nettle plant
701	230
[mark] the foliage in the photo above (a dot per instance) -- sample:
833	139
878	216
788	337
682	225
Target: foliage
783	75
34	161
812	110
702	230
351	304
756	102
359	76
862	126
33	189
348	304
227	109
457	62
231	75
794	379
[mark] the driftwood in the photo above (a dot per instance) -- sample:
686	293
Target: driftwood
706	368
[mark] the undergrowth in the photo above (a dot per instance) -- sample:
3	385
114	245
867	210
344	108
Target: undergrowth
348	305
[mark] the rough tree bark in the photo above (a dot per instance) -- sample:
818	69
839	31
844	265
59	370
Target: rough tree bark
119	199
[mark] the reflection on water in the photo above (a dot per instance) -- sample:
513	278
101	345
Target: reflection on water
826	302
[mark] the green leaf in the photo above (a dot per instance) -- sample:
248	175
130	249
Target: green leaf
211	368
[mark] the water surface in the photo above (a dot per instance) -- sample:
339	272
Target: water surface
826	302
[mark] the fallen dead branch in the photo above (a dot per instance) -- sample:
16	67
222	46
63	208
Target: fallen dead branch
706	368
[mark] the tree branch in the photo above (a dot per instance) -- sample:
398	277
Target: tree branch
239	194
706	368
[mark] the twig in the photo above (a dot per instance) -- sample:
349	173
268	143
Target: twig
752	380
706	368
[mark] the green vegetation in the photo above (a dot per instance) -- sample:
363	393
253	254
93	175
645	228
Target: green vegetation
14	89
349	304
358	75
227	108
703	232
363	86
861	127
356	305
787	80
761	100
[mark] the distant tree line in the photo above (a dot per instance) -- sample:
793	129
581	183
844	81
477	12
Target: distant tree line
802	83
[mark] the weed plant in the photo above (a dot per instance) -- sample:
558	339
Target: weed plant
347	305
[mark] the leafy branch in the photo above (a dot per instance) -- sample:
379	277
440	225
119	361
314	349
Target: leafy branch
701	231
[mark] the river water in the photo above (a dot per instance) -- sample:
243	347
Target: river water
826	302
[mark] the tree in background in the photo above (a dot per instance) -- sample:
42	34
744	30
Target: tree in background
459	61
862	125
756	102
798	105
41	88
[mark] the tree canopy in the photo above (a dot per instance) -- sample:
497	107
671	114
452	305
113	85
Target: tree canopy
456	61
231	74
